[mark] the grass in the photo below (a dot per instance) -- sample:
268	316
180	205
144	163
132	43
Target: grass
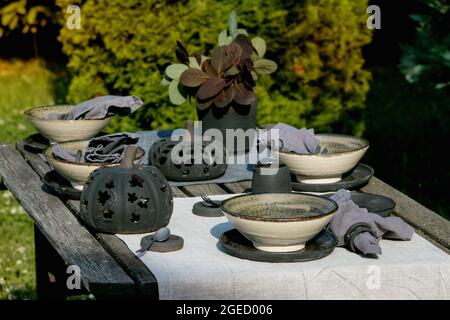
22	85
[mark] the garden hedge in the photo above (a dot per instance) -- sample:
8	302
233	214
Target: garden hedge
123	47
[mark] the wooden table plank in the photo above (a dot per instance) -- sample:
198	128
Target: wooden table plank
237	187
177	193
136	270
100	273
430	224
202	189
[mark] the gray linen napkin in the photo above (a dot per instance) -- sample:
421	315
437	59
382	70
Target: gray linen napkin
100	108
349	214
296	140
106	149
63	154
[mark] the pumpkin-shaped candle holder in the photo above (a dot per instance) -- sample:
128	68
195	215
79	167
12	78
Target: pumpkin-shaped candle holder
127	198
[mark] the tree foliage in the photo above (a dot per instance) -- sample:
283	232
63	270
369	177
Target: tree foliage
124	47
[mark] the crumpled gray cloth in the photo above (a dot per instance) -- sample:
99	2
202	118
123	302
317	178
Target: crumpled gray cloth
105	149
100	108
349	214
109	149
296	140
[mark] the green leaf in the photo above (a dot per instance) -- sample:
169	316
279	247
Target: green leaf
193	63
174	94
242	31
165	81
260	46
265	66
232	24
231	71
175	70
222	39
193	78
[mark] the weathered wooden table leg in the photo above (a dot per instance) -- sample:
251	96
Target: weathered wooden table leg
50	269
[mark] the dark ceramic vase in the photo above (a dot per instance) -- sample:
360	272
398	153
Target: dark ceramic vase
278	182
160	156
233	117
126	198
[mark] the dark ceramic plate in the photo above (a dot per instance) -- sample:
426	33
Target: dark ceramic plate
61	186
359	176
203	209
36	143
236	245
375	203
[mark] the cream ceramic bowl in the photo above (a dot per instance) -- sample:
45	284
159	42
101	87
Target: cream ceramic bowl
78	173
64	130
343	153
279	222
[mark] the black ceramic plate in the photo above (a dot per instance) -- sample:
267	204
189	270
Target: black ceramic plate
236	245
203	209
374	203
61	186
359	176
36	143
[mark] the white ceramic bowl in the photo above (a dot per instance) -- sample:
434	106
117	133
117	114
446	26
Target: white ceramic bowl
78	173
343	154
64	130
279	222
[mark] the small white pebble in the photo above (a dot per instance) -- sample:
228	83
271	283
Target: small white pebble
19	262
21	127
2	281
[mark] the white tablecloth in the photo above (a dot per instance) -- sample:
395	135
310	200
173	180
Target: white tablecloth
413	269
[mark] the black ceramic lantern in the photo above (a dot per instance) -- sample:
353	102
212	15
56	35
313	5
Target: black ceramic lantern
160	155
127	198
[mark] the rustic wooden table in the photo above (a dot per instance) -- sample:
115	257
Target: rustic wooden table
108	268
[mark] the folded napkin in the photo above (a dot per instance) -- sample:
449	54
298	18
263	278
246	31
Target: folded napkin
109	149
296	140
349	216
100	108
105	149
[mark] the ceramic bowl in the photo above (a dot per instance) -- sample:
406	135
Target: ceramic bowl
279	222
343	154
78	173
64	130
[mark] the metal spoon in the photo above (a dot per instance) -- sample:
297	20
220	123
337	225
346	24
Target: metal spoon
160	235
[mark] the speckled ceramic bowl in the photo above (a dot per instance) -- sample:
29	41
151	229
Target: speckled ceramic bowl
78	173
343	153
64	130
279	222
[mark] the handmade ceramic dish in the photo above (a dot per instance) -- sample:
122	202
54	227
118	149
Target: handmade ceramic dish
64	130
78	173
342	154
279	222
357	177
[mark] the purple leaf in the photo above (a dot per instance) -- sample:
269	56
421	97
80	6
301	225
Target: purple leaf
220	60
209	69
210	88
247	47
193	78
225	97
243	96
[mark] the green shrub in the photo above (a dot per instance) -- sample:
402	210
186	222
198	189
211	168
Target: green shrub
122	48
427	60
